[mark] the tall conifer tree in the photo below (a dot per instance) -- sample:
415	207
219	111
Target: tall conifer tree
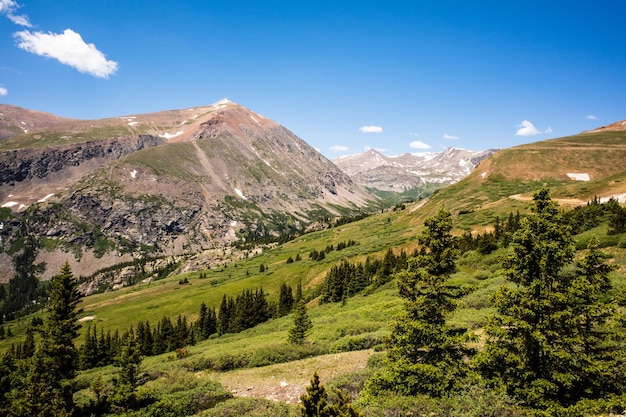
302	325
425	355
49	383
550	345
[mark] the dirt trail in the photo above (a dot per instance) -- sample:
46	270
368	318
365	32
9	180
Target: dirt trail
286	382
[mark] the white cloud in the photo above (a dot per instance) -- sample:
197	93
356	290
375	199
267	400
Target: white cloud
338	148
371	129
3	91
591	117
8	8
69	49
418	144
446	136
526	128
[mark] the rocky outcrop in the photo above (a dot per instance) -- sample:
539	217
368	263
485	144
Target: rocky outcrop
39	163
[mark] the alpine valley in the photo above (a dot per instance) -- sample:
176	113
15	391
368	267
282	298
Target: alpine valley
229	269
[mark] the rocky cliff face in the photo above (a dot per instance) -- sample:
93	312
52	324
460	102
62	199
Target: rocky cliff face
53	169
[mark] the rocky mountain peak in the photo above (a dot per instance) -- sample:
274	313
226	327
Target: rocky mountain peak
168	183
410	170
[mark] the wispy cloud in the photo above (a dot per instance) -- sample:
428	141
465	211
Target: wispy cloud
68	48
3	91
591	117
8	8
371	129
339	148
446	136
418	144
526	128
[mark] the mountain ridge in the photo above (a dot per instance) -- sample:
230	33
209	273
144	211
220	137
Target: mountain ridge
186	181
373	169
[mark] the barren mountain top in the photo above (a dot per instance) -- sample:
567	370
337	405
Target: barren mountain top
617	126
16	120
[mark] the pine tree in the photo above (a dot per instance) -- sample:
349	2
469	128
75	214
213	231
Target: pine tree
128	362
285	300
207	322
550	343
315	401
7	369
28	348
49	382
425	355
302	325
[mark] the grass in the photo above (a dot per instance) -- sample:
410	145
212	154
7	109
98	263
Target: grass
343	335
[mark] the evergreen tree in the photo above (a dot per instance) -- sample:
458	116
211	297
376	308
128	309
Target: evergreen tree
207	322
225	312
24	289
315	401
49	382
302	325
89	350
425	355
128	362
285	300
28	348
550	343
7	374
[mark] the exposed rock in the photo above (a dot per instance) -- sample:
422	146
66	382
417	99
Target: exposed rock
400	173
225	174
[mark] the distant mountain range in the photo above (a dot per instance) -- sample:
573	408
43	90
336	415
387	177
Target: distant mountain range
373	169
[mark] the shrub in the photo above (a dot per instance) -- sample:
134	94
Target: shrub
280	354
252	407
360	342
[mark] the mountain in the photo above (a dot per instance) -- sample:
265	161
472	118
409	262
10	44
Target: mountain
372	169
575	168
16	120
105	191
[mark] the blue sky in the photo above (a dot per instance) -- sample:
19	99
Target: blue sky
345	76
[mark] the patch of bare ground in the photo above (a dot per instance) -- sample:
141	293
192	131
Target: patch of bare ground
286	382
562	201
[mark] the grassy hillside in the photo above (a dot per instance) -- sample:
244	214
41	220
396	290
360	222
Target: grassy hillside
246	363
505	181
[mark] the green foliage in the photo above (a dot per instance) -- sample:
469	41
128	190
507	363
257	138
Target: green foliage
552	343
315	402
251	407
425	355
48	385
285	300
302	325
25	293
128	362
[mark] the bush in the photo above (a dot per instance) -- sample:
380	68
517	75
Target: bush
280	354
252	407
360	342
